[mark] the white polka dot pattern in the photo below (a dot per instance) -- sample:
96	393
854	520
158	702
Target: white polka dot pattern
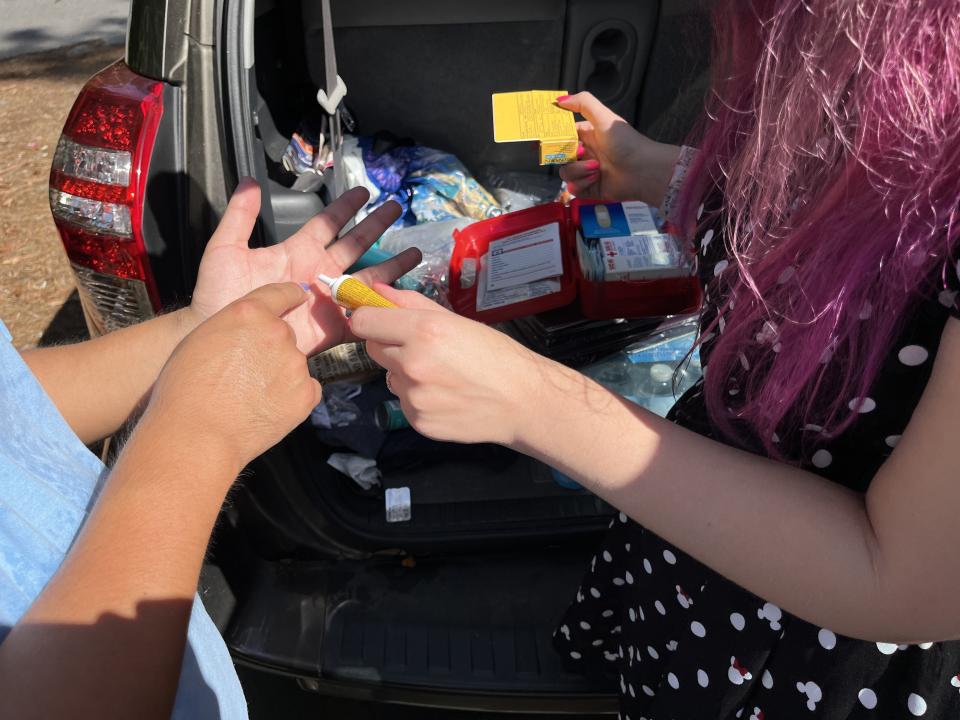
821	458
863	405
637	570
913	355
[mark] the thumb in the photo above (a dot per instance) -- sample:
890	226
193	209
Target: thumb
406	298
279	298
588	106
237	222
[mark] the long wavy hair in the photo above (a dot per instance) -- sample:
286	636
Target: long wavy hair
833	133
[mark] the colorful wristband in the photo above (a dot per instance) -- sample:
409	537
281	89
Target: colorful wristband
684	160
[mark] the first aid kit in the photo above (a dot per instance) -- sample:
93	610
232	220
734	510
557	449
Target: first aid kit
614	259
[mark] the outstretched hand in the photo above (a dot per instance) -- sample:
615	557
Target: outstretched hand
230	268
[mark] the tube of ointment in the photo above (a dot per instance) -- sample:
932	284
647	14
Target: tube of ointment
350	293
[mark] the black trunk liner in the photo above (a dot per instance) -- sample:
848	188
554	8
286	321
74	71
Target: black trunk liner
479	623
515	495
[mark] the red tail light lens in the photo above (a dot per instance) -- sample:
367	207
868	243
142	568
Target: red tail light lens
97	187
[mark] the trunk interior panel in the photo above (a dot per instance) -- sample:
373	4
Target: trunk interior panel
431	78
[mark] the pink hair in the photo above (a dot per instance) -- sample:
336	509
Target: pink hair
833	133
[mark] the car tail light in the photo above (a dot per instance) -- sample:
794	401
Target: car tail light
97	186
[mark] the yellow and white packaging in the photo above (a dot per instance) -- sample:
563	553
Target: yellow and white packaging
534	115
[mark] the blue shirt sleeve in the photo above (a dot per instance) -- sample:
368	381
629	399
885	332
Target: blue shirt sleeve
48	482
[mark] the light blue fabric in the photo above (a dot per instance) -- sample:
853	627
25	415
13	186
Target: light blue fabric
48	482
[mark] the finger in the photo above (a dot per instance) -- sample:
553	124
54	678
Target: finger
348	249
387	326
581	181
322	229
404	299
588	106
582	170
389	270
307	393
291	335
586	133
279	298
399	383
585	190
237	222
388	357
314	393
585	187
407	298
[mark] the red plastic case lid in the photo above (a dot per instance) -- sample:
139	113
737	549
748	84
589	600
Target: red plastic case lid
473	242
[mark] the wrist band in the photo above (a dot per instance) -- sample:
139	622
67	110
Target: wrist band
684	160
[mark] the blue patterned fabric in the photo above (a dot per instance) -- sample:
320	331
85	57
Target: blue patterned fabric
48	483
429	185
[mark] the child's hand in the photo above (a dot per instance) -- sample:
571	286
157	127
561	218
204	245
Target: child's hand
230	268
618	163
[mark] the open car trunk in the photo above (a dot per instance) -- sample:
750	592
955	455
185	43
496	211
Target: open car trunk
426	70
465	593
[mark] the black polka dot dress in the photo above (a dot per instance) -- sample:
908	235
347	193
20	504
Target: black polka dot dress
681	642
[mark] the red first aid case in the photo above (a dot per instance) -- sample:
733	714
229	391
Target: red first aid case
597	300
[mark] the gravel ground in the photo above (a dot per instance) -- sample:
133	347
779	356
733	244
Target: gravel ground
37	292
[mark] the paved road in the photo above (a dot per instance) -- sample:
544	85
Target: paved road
34	25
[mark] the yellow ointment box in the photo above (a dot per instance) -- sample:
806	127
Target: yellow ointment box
534	115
